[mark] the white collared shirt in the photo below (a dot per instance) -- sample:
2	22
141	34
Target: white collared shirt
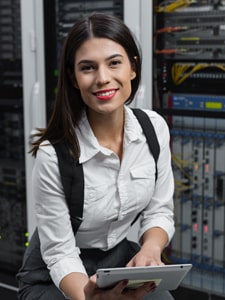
115	191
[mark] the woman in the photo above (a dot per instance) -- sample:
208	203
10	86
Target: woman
99	75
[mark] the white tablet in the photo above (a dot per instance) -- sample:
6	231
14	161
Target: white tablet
166	277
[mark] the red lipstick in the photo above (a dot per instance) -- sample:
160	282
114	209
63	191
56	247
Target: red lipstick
105	95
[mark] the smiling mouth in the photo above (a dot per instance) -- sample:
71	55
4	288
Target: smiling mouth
105	95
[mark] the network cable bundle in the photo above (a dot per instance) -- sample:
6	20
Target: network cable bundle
189	74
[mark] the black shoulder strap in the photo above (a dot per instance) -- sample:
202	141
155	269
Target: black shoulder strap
73	183
150	134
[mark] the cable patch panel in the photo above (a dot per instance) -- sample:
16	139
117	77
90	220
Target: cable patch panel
199	171
208	17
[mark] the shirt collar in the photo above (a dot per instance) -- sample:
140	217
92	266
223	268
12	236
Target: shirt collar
133	129
89	145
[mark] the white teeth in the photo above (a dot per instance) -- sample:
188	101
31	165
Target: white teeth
105	93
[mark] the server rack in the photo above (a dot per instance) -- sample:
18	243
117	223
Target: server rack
189	73
22	79
12	169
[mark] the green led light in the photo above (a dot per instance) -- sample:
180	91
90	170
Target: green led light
56	72
27	244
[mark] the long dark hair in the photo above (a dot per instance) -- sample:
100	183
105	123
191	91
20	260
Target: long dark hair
68	106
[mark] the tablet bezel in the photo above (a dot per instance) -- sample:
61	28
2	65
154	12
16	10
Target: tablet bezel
166	277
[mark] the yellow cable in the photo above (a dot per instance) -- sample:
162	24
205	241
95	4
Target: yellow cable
173	6
180	73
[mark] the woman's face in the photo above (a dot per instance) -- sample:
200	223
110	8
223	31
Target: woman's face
103	74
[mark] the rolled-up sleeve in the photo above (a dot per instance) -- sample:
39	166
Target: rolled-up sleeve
160	210
58	244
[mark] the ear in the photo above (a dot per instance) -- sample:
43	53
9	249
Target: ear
133	68
75	83
132	75
73	79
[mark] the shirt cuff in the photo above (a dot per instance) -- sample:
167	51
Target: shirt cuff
165	224
64	267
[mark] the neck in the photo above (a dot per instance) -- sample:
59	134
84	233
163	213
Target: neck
109	130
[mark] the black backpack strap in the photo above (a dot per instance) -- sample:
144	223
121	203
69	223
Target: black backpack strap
73	183
150	135
151	138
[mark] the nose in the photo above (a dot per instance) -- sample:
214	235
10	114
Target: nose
102	76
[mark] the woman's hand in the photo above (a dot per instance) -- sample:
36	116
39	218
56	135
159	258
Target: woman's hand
118	292
154	241
147	256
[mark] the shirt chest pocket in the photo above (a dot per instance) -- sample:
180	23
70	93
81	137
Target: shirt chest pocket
143	181
143	171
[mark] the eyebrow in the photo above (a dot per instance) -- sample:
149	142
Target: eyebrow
87	61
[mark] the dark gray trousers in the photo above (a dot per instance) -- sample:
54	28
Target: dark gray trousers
34	280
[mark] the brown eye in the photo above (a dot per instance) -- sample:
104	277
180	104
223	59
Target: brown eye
86	68
115	63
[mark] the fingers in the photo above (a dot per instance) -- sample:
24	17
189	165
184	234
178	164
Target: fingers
91	290
137	261
90	286
119	288
130	263
93	279
141	259
150	286
145	289
119	291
